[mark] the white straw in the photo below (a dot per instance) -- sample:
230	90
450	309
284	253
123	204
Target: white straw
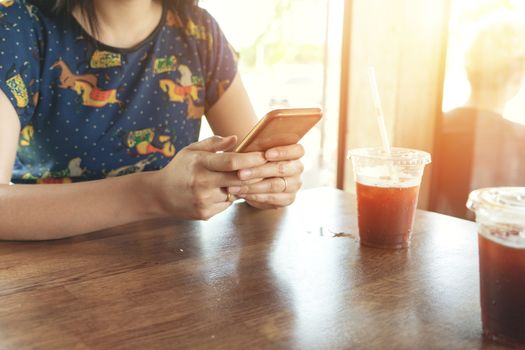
379	109
381	119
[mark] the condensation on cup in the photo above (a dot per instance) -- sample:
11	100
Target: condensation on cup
387	188
500	216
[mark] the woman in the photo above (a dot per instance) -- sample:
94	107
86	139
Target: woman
93	90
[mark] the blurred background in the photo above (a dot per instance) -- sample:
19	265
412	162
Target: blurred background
450	75
290	55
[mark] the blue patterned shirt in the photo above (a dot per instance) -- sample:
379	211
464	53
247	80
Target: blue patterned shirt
90	111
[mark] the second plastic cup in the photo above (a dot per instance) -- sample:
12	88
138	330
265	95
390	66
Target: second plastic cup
387	187
500	215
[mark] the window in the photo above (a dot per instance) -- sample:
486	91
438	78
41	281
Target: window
480	138
289	56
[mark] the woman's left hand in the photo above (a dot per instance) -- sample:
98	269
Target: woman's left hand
274	183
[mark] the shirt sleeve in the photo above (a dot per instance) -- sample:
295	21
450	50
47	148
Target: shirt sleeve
19	57
220	58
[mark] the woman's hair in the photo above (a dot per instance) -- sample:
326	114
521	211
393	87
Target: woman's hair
63	9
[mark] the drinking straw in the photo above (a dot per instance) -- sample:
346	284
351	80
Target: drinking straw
379	110
380	117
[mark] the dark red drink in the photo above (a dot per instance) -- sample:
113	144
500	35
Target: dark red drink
386	215
502	291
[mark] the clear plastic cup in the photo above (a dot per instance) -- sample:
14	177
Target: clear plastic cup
387	188
500	215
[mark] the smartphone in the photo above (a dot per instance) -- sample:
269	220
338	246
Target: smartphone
280	127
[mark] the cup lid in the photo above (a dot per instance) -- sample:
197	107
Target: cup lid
398	154
499	198
504	204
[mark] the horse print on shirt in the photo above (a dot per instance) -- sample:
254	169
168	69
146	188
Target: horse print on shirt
85	85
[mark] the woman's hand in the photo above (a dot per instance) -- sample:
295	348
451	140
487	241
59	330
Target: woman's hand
192	185
281	178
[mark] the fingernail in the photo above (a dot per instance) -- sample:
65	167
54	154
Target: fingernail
241	195
272	154
234	189
245	174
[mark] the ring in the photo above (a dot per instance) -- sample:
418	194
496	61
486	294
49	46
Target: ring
285	184
228	197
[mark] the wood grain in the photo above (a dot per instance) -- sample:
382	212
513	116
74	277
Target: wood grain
288	278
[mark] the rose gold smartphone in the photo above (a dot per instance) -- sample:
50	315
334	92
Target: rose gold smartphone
280	127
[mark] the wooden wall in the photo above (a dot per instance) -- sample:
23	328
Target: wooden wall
405	40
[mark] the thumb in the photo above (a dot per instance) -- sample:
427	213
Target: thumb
214	144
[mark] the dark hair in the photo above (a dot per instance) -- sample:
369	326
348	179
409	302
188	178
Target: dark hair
63	9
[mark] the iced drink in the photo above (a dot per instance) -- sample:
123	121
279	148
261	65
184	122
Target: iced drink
502	290
500	213
387	188
396	208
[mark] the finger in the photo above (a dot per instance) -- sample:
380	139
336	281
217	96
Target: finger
269	200
229	197
214	179
291	152
220	207
203	199
225	196
262	205
273	169
270	185
210	202
231	161
213	210
214	144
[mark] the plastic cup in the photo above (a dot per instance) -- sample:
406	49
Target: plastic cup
500	215
387	187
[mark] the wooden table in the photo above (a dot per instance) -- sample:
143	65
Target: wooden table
247	279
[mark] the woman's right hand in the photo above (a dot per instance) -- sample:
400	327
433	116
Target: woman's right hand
192	185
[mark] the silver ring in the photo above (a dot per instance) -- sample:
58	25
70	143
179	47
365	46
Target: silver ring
228	197
285	184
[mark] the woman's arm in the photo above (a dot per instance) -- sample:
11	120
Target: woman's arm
188	188
9	131
233	113
54	211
